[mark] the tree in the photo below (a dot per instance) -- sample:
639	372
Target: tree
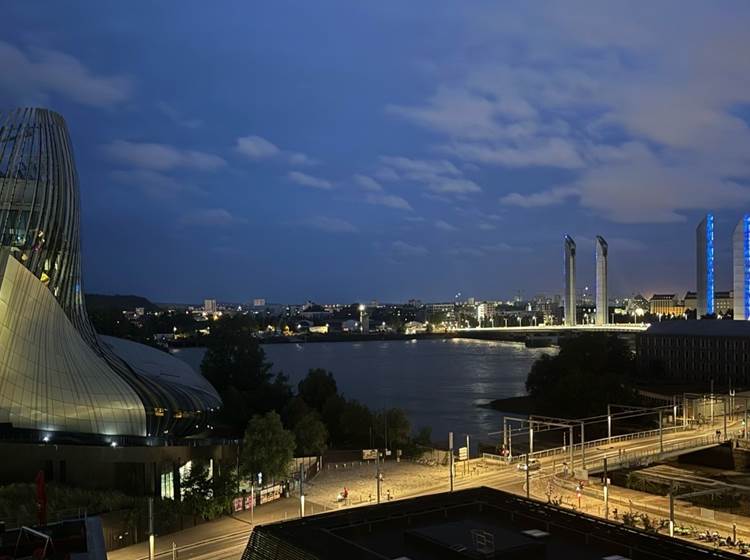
355	423
234	357
311	434
590	371
197	492
317	387
236	366
395	425
267	447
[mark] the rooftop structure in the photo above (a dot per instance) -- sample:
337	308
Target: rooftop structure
475	523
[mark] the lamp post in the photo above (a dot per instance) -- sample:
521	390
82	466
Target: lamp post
450	451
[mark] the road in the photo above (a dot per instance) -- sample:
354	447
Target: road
226	538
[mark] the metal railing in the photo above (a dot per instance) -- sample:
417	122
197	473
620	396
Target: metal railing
563	450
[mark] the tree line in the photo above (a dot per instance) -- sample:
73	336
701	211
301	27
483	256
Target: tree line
278	421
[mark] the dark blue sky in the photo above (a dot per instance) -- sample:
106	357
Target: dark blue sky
343	151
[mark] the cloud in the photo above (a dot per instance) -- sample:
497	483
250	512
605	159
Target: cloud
404	249
258	148
645	114
376	195
152	183
445	226
161	157
549	197
330	225
176	117
368	183
309	181
389	200
549	152
484	226
437	176
209	217
40	72
469	252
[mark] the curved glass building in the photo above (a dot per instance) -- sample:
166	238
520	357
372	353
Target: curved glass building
56	373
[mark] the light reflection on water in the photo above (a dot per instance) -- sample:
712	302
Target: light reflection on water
439	383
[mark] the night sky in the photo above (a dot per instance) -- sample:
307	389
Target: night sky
350	151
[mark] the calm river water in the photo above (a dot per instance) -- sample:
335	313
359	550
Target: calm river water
439	383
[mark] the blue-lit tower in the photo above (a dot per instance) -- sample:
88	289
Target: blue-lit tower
741	266
705	267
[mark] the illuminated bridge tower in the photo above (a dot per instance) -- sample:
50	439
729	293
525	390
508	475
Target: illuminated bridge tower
705	267
741	265
570	281
602	305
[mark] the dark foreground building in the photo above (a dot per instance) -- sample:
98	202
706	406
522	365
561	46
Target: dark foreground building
696	351
468	524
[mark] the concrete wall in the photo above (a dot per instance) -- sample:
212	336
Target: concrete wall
133	470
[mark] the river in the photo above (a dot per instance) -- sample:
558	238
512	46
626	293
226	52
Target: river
439	383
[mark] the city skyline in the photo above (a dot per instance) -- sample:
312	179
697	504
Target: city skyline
297	154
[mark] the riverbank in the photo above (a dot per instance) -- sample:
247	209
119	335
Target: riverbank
514	405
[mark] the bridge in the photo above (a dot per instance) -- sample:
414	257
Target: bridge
553	330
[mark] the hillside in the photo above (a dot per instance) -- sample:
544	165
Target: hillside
100	302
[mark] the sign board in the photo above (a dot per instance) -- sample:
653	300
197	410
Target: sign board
463	453
581	474
270	493
237	504
249	501
369	454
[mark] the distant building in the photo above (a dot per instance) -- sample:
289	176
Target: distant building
602	301
209	306
666	305
570	281
741	269
696	351
704	240
413	327
260	302
723	302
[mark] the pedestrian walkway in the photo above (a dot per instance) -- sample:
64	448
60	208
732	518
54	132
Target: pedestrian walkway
223	533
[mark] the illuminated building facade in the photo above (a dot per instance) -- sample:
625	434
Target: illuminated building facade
570	281
705	267
741	269
56	373
602	300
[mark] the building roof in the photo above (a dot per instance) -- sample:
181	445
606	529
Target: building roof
163	368
656	297
474	523
704	327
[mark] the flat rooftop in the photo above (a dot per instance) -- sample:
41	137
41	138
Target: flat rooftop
702	327
479	523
